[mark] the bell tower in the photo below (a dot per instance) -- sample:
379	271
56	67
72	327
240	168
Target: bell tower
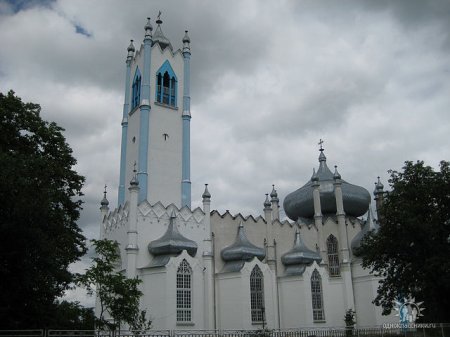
156	120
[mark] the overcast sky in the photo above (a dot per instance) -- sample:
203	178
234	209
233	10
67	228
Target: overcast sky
268	80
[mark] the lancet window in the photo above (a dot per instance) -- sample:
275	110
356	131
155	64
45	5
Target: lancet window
317	296
333	256
166	85
184	292
257	295
136	90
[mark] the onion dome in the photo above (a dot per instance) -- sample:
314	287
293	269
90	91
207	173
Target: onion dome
300	202
172	243
267	203
186	38
206	194
369	226
130	48
378	188
299	257
104	201
241	251
274	195
148	26
336	174
158	36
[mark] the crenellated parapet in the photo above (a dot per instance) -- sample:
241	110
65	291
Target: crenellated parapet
116	219
159	211
238	216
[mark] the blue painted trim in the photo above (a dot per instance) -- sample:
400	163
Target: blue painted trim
123	147
143	152
144	122
166	67
186	147
136	89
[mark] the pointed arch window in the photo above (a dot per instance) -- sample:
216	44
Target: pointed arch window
257	295
136	90
317	296
333	256
166	85
184	292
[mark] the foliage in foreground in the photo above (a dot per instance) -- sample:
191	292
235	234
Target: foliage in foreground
411	250
39	206
118	296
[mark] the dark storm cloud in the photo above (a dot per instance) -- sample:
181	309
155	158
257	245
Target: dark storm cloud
268	80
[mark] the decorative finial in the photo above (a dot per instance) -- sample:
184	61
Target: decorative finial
320	144
131	47
148	27
206	194
104	201
314	176
134	181
267	203
336	173
186	38
158	18
274	194
378	187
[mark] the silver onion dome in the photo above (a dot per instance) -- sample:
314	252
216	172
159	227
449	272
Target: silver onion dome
241	251
300	204
172	243
104	201
299	257
186	38
131	47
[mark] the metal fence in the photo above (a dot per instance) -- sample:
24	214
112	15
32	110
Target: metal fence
425	330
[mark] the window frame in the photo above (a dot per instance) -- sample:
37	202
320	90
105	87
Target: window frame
166	95
317	297
184	296
136	89
257	295
334	267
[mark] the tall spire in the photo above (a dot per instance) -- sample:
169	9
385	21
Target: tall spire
159	37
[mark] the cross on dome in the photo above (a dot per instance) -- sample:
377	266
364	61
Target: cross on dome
320	144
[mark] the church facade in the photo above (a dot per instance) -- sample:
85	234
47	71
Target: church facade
202	269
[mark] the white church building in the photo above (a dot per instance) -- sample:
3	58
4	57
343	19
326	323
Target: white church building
202	269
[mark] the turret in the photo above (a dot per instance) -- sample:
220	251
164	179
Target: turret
144	107
186	116
104	209
379	198
267	209
275	204
132	234
126	110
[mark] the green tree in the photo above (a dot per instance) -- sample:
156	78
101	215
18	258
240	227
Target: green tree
411	250
39	206
117	295
72	316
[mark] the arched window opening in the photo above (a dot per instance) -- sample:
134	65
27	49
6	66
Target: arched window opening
166	85
333	256
184	292
317	296
257	295
136	90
